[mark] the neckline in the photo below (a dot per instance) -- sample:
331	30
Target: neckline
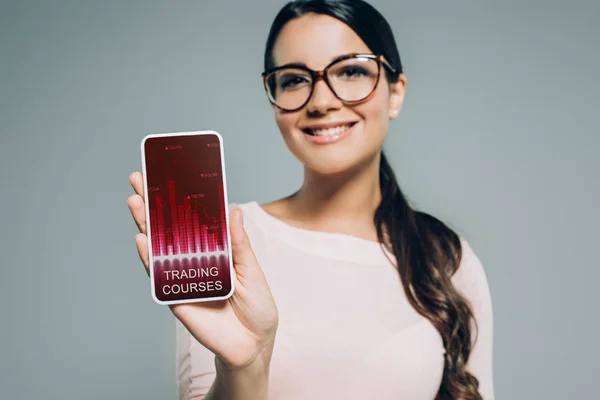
328	244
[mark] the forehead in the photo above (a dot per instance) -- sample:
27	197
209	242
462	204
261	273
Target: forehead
315	40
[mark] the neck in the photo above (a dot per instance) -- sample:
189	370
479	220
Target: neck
350	196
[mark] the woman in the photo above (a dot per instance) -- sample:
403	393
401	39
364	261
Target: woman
343	291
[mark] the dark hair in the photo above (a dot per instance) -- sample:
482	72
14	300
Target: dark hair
427	251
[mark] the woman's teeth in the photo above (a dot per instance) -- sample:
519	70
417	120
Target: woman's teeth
330	131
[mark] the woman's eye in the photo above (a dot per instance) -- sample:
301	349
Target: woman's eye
353	72
291	81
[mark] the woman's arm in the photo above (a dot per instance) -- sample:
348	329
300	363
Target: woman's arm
249	383
202	376
470	279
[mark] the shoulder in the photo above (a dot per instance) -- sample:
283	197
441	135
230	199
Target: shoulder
469	274
470	269
471	280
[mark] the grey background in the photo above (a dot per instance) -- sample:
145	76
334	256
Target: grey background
498	137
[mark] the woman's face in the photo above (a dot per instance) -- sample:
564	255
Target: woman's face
315	40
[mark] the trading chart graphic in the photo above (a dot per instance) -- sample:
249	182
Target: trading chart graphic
188	236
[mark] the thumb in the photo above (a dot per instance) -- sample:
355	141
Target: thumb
243	256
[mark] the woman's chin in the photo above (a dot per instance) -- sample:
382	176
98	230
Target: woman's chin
342	164
331	167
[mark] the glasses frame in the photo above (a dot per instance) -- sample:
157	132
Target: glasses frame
322	74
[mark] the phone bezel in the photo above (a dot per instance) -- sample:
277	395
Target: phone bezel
148	225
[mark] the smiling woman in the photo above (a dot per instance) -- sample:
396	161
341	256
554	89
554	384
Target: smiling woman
338	87
366	298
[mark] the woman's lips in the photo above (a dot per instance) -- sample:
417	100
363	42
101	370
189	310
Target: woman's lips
339	132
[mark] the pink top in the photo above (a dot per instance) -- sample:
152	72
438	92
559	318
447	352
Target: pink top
346	329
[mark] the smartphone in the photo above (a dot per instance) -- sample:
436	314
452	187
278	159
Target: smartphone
187	217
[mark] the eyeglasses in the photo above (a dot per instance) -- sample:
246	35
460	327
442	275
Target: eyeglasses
352	79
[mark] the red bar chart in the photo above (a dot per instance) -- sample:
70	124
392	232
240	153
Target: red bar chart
185	234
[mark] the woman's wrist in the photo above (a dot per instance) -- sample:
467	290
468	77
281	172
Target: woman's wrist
250	382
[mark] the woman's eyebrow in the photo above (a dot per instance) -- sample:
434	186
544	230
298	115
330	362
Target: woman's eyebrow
292	64
334	59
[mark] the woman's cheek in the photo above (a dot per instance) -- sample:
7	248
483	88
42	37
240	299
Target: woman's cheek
285	123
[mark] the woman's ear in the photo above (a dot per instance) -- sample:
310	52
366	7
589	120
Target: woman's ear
397	91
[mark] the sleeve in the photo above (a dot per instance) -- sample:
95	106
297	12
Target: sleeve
195	364
470	279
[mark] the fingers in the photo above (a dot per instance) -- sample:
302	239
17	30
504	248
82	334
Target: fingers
136	181
236	225
136	201
138	212
141	242
137	207
243	255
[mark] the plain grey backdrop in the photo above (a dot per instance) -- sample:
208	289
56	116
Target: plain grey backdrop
498	137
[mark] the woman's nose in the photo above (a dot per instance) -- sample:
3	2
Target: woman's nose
322	99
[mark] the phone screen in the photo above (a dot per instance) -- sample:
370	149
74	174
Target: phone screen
187	221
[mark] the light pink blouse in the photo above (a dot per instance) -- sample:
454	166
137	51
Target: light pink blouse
346	329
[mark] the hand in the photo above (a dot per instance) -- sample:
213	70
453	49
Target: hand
239	329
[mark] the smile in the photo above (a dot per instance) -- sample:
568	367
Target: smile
328	133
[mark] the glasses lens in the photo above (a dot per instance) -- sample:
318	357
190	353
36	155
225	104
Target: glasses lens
354	79
289	88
